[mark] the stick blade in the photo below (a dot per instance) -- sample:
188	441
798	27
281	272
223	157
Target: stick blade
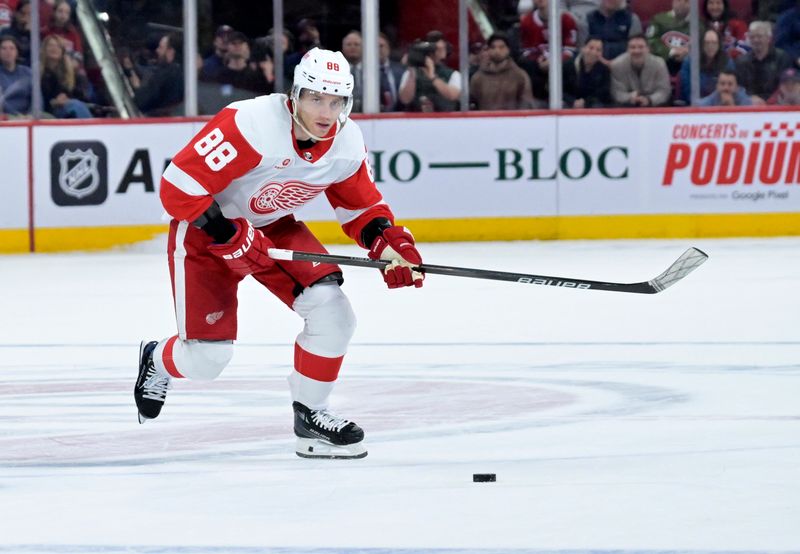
685	264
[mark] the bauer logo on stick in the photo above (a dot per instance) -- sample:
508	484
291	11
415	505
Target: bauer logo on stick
78	173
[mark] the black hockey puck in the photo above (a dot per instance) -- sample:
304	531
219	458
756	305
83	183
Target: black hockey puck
484	477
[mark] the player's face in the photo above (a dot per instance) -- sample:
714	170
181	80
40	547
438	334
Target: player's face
319	111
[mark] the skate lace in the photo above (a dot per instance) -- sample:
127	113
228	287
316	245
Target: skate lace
156	386
328	421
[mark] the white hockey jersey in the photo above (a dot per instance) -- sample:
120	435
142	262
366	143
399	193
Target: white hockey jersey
247	159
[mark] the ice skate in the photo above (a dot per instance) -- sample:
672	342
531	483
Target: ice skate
150	390
321	434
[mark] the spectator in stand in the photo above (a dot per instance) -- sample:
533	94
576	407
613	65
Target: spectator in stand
238	71
307	38
535	57
391	72
288	47
580	10
613	23
61	25
534	35
443	48
787	33
261	58
718	16
214	63
160	93
20	29
15	80
351	50
478	54
7	8
638	78
500	84
64	90
592	77
727	93
713	60
788	93
351	47
431	86
668	34
759	71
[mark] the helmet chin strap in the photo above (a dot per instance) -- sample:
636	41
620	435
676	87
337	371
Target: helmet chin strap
295	111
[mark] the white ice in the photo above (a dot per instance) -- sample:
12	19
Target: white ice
614	422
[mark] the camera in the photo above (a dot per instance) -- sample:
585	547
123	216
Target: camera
418	51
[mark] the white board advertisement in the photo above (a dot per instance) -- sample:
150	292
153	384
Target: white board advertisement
700	163
453	167
88	175
460	167
14	207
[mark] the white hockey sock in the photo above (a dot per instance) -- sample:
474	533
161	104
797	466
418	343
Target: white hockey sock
192	359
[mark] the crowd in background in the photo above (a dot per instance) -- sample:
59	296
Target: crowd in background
612	55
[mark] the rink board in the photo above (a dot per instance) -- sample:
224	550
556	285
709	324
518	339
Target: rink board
534	175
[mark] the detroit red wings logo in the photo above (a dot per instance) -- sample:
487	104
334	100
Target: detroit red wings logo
273	197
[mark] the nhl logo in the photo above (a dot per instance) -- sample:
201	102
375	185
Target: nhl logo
308	156
78	173
78	176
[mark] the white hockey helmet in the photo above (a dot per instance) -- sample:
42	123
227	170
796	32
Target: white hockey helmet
326	72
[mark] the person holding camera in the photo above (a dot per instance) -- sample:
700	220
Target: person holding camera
428	85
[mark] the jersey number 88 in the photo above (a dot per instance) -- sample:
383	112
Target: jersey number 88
217	153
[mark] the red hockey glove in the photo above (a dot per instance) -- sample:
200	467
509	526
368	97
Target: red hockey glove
246	251
397	245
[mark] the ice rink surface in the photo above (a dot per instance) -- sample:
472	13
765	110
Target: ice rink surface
615	422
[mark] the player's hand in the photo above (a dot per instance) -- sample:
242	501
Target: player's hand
246	251
396	244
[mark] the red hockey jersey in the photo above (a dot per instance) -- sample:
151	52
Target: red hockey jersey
246	158
534	35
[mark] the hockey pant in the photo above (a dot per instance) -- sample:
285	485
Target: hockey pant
205	304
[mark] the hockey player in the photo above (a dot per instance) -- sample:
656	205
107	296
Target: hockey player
231	193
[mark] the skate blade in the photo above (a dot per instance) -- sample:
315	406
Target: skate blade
142	418
315	448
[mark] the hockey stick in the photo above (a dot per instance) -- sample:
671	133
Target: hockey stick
680	268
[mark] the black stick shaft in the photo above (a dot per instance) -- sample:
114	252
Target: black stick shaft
686	263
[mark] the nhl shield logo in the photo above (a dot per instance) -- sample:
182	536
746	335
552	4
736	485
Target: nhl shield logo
78	173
